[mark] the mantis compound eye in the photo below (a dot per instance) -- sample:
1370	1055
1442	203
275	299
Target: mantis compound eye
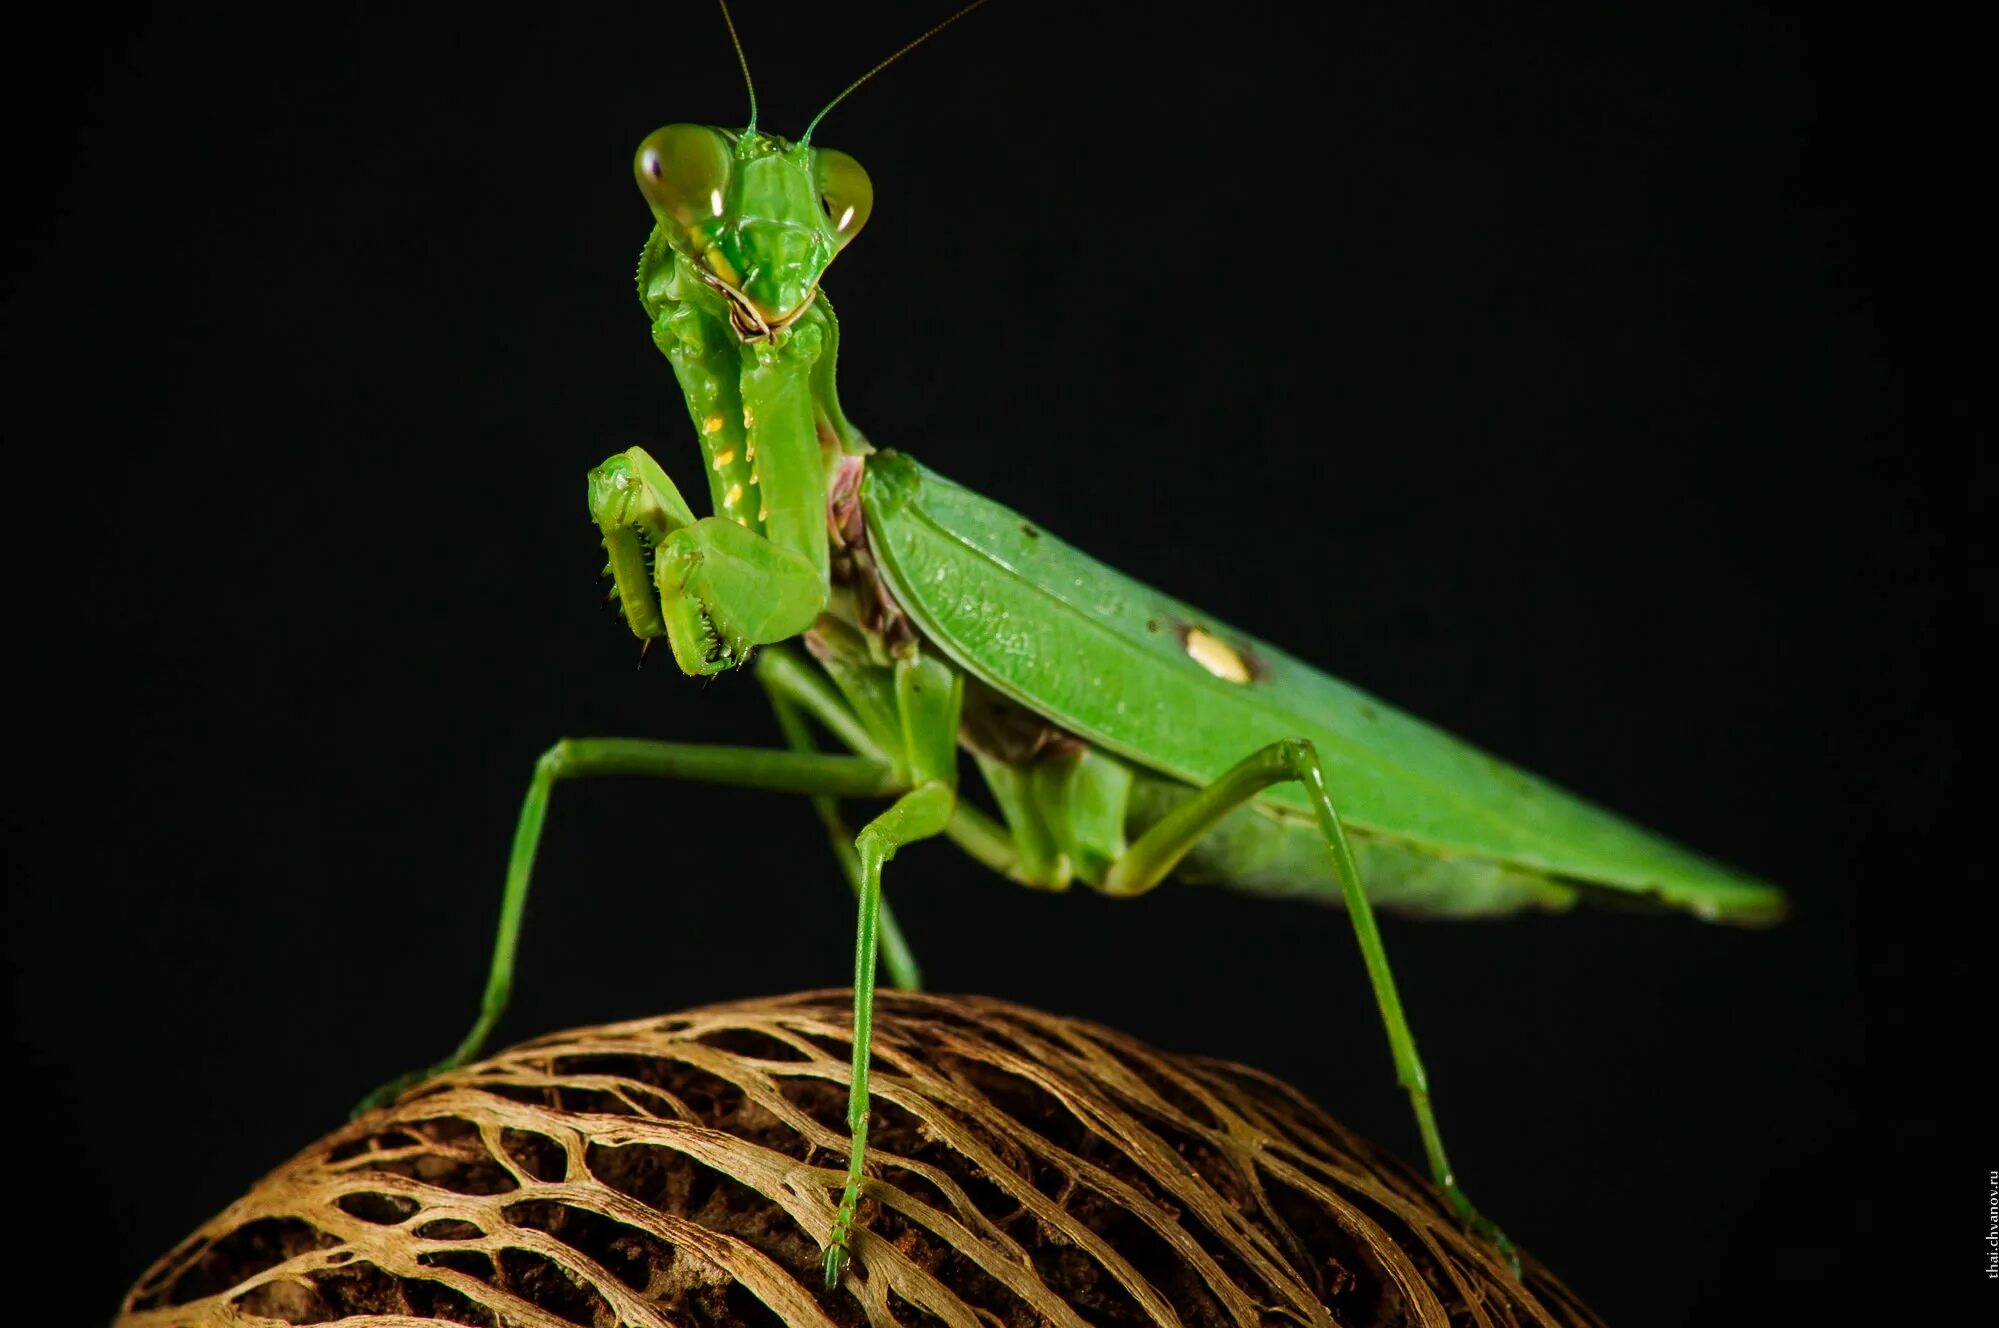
683	171
844	192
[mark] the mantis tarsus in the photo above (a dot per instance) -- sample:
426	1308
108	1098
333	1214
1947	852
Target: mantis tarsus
1122	736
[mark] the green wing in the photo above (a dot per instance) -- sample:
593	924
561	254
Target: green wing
1108	658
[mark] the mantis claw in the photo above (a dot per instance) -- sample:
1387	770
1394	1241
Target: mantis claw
394	1088
1482	1227
1485	1230
384	1094
834	1262
836	1257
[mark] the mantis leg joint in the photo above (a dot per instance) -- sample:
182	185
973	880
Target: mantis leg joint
554	762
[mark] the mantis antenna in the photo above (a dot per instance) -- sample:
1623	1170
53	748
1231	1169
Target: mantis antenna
750	132
806	137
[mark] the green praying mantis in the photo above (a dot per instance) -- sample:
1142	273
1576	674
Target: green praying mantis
928	632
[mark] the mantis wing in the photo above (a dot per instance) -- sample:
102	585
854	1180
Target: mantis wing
1183	694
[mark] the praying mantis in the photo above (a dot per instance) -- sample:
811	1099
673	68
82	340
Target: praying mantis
1120	736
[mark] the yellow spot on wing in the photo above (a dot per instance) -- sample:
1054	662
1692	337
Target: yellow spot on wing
712	424
733	496
724	457
1216	656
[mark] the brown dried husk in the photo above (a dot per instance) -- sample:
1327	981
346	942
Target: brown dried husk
1026	1169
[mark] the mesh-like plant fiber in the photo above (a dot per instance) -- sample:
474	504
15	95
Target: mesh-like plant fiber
1025	1170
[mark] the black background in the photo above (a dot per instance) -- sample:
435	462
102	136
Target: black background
1538	370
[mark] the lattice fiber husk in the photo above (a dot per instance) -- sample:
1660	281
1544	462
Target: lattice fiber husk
1026	1170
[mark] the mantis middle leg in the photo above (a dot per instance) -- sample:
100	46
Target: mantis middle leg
918	814
794	692
928	698
816	774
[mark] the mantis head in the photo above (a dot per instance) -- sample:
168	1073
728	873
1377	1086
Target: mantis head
759	218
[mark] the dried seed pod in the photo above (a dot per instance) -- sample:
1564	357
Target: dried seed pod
1026	1170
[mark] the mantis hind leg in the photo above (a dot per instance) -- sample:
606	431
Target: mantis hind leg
815	774
1156	852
